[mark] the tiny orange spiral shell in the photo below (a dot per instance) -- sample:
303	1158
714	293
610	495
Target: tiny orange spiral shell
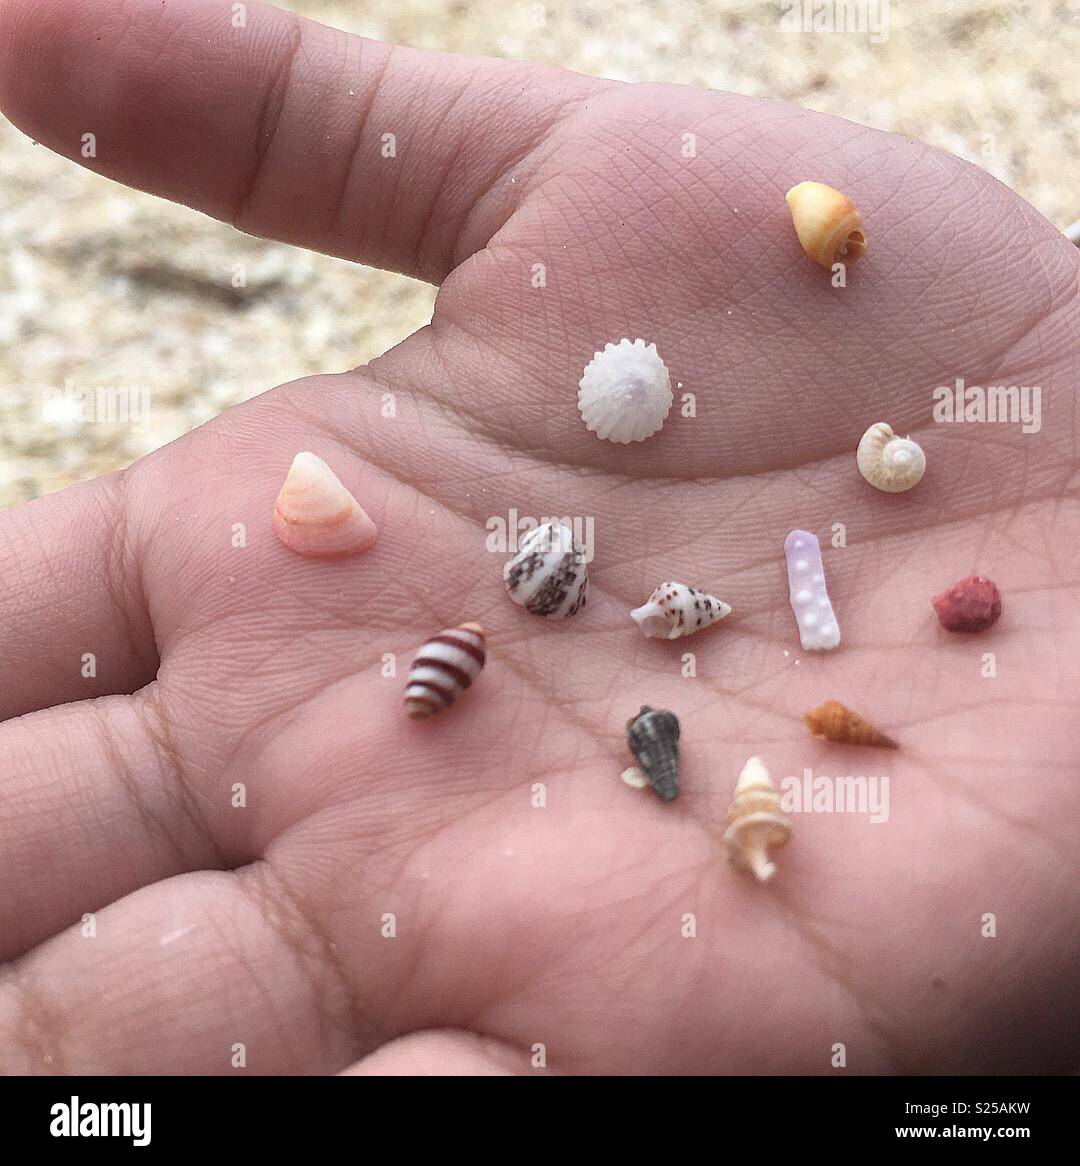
835	722
828	225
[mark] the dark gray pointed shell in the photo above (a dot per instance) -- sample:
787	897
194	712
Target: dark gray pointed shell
547	576
653	737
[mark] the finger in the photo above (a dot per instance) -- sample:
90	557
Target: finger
280	125
206	973
92	807
445	1052
73	622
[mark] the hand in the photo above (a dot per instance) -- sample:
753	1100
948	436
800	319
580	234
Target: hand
224	668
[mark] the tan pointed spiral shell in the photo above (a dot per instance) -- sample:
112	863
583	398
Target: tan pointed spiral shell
756	821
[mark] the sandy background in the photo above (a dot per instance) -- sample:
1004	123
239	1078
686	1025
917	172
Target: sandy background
107	287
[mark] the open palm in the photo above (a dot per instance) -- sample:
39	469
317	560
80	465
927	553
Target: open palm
274	857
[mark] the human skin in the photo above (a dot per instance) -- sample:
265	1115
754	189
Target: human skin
559	925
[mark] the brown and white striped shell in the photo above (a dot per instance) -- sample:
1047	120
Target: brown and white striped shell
444	667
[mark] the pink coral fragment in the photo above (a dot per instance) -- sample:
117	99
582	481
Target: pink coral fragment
972	605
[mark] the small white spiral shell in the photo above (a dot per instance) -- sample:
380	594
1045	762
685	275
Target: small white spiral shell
675	610
888	462
625	392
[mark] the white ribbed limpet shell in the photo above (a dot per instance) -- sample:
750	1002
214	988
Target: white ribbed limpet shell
888	462
625	392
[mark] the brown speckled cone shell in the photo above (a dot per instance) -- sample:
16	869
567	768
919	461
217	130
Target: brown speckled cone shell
836	722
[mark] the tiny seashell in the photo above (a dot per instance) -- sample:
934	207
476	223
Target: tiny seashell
316	516
653	737
625	392
835	722
888	462
675	610
828	225
818	629
444	667
548	576
634	777
972	605
755	821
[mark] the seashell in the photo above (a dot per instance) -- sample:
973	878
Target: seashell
888	462
634	777
972	605
653	737
835	722
755	821
444	667
818	629
547	576
625	392
675	610
828	226
316	516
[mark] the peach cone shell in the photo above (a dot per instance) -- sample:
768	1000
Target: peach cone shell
315	515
